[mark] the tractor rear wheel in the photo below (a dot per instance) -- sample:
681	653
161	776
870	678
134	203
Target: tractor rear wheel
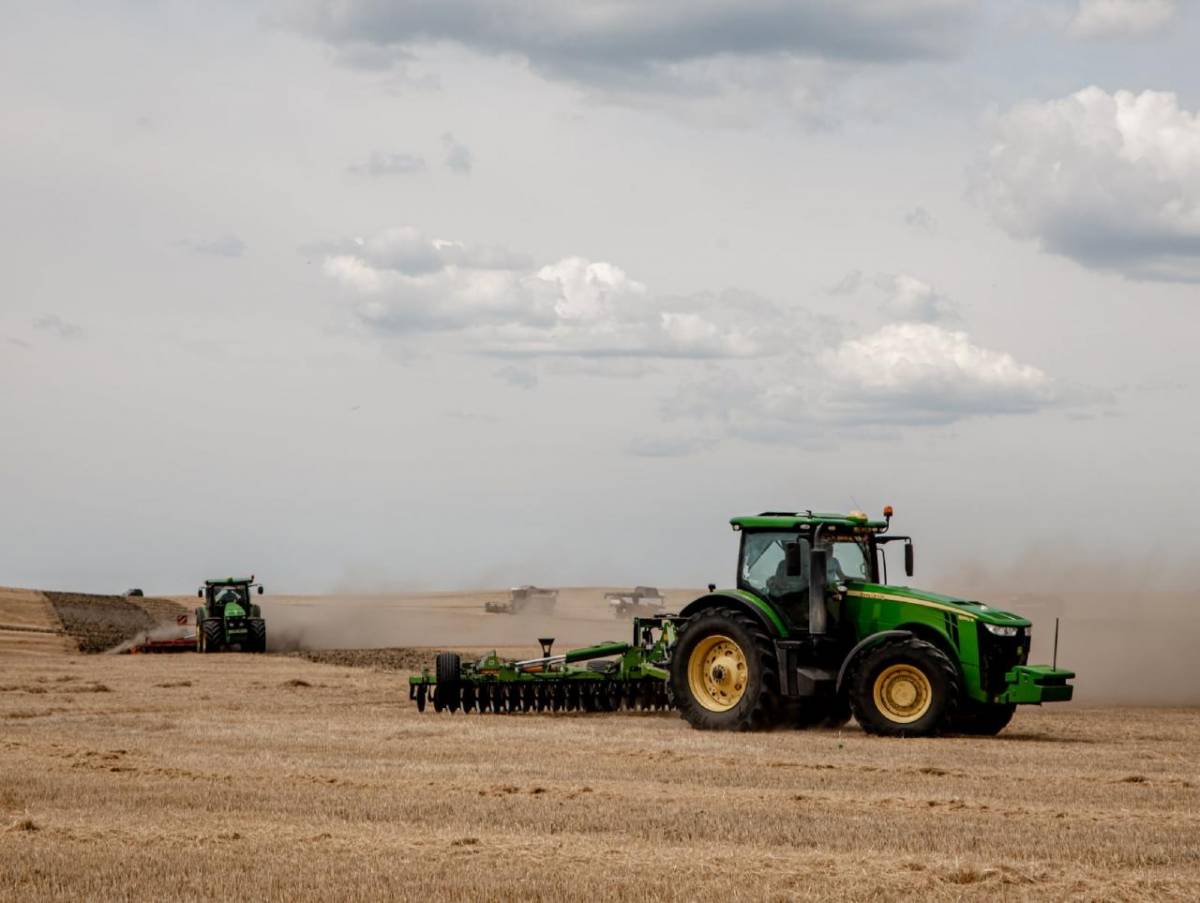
210	640
724	673
904	688
982	719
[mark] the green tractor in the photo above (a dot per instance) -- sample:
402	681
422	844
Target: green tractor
228	618
814	632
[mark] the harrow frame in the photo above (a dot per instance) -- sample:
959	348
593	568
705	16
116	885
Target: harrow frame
630	675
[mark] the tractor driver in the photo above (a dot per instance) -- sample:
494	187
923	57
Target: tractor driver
225	596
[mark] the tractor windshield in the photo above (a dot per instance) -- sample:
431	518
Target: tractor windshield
228	594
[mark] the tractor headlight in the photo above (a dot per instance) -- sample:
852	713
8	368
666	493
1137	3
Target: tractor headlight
1001	630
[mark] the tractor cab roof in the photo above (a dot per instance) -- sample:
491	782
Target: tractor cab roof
856	521
231	581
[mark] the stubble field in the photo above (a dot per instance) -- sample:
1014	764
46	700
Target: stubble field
275	777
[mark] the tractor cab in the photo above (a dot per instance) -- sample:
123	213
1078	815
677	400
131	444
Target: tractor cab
217	594
798	561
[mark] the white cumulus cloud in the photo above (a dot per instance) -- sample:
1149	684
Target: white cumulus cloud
1109	180
920	371
401	282
901	375
910	298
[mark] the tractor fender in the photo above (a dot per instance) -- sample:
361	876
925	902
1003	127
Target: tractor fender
742	601
861	646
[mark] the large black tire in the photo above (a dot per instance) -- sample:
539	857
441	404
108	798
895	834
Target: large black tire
448	679
981	719
757	705
212	639
257	641
884	678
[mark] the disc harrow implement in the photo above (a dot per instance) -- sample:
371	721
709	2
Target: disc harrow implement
613	677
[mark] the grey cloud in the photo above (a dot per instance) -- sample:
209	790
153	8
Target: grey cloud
666	446
458	156
225	246
687	48
920	219
19	343
521	377
848	284
609	41
56	325
381	163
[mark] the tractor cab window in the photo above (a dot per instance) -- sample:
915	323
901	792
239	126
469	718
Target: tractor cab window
848	561
764	570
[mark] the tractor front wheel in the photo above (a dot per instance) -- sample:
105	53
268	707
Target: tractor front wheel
724	674
210	640
258	636
904	688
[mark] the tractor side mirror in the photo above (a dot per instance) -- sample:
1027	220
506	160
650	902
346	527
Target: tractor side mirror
260	591
908	559
793	556
199	594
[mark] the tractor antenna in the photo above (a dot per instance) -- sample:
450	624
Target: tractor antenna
1055	664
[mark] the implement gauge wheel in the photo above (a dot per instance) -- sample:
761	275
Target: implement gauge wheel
724	675
904	688
447	693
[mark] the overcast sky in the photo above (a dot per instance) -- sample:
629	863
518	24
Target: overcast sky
449	293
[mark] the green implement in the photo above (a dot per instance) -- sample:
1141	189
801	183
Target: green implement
616	676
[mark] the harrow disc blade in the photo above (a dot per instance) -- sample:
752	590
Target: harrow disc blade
468	697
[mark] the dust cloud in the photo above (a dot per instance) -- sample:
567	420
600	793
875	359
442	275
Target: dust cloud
1129	624
1130	630
452	620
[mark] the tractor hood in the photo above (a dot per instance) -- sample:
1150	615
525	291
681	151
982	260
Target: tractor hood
964	607
233	610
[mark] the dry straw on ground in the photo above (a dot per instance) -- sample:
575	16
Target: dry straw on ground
276	778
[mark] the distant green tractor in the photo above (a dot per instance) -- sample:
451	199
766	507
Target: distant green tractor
228	619
814	632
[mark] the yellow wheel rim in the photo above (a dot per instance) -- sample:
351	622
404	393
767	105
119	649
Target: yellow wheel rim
717	673
903	693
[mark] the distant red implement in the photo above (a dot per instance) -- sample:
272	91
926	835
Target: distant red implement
185	642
